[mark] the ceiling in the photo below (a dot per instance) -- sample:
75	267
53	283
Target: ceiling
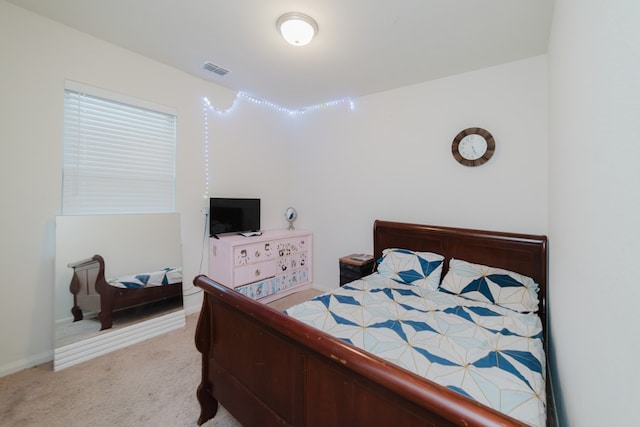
362	46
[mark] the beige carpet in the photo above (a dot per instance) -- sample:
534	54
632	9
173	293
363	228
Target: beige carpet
152	383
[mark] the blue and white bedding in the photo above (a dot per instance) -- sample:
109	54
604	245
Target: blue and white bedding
485	351
167	276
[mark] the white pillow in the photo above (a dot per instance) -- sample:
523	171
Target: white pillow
489	284
416	268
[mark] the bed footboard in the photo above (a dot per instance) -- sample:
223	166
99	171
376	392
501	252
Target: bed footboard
267	368
92	292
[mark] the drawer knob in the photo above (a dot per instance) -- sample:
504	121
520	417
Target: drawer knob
257	272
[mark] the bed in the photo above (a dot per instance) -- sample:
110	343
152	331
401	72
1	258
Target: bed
92	291
269	368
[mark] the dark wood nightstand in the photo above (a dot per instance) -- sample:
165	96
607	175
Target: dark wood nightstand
352	268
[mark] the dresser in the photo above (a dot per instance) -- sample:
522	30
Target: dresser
265	267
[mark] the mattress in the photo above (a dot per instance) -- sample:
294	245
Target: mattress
486	352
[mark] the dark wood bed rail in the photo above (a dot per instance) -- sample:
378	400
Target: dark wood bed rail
327	380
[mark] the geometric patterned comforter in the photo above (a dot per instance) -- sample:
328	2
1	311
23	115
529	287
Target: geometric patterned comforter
486	352
167	276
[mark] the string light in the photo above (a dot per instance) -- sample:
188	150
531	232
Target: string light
206	106
291	112
218	109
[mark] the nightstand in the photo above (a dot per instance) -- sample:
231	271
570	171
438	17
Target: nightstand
352	268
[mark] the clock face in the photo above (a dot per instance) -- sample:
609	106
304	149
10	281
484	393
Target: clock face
473	147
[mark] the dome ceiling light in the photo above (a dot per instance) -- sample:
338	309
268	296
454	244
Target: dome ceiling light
297	29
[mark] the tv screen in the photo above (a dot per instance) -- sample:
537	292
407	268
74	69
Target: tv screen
228	215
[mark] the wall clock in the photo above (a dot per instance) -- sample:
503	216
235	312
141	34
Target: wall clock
473	147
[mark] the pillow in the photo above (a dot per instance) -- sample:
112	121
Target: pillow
489	284
416	268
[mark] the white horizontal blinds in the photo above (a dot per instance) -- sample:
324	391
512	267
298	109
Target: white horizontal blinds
118	158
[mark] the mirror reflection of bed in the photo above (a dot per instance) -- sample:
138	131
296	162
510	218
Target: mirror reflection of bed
143	253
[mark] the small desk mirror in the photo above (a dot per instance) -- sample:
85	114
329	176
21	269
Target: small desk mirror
118	281
291	214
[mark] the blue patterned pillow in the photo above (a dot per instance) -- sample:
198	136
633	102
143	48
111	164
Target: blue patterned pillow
416	268
489	284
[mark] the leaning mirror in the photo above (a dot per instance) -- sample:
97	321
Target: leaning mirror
118	281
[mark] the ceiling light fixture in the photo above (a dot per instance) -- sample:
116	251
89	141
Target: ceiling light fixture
297	29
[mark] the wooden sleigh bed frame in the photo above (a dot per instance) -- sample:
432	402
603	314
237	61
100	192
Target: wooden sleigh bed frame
92	292
269	369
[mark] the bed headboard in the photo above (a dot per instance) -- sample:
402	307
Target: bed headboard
522	253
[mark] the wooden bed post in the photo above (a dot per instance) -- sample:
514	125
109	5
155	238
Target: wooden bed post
107	296
74	287
203	338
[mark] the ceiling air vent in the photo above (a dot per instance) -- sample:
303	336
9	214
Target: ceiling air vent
210	66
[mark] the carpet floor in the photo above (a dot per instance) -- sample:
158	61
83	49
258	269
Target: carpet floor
152	383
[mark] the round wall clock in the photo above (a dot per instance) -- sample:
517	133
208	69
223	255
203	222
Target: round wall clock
473	147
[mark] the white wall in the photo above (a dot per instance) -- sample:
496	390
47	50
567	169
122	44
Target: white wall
341	169
594	206
37	56
391	159
249	156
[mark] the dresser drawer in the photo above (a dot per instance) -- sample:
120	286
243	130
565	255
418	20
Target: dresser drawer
257	252
254	272
354	269
287	247
292	262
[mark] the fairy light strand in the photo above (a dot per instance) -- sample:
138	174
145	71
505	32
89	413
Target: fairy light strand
292	112
205	107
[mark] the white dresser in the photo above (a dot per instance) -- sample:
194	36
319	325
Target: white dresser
266	267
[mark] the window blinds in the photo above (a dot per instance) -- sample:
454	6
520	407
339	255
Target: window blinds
117	157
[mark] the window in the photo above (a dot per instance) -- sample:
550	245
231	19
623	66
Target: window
118	154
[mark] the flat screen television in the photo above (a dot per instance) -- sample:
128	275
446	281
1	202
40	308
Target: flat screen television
233	215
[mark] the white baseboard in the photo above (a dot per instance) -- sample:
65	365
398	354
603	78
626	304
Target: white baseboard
109	341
